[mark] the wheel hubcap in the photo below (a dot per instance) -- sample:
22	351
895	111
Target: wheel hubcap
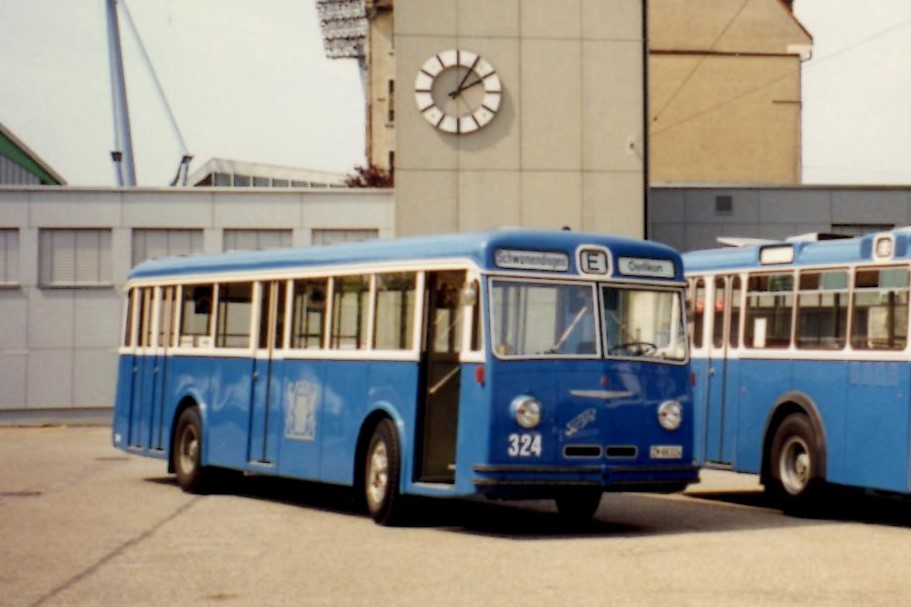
190	450
377	475
795	465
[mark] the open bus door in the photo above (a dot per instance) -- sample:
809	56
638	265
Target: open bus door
440	376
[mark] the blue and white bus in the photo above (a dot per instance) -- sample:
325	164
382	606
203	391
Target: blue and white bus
802	363
513	364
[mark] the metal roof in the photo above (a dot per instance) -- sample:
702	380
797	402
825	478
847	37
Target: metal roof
14	149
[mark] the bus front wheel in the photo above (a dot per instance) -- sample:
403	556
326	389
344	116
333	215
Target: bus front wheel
794	477
578	506
187	452
381	475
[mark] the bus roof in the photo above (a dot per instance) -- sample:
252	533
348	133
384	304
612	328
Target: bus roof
876	247
532	247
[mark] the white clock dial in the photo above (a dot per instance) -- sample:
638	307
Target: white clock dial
458	91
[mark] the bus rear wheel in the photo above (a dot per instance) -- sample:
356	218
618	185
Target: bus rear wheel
187	452
382	469
794	476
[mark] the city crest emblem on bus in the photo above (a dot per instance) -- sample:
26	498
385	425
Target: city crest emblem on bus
300	416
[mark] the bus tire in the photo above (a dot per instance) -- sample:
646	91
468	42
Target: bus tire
578	506
794	476
187	452
382	471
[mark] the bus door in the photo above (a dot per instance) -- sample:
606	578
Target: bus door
440	374
266	397
143	371
165	320
721	385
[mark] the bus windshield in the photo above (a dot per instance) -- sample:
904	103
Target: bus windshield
530	319
542	319
640	322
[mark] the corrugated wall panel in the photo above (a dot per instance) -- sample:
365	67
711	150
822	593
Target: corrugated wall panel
13	174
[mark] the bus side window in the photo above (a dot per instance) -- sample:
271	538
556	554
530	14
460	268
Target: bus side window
196	316
697	312
718	318
167	316
447	312
880	309
393	325
822	310
477	342
734	336
146	299
769	311
272	312
130	321
235	305
308	316
350	312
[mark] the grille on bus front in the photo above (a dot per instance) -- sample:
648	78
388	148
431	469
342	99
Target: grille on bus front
591	451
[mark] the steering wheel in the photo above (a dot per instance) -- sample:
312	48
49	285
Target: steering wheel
633	348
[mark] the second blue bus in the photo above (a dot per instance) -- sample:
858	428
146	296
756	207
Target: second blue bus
802	363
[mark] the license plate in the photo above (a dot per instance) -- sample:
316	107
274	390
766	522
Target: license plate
666	452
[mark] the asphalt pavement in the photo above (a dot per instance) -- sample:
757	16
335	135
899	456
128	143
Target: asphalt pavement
84	524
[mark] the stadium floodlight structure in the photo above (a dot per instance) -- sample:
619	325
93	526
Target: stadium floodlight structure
344	27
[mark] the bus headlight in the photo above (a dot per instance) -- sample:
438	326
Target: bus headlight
670	414
526	410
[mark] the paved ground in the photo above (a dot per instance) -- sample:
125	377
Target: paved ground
83	524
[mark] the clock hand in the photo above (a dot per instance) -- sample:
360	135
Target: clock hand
464	87
468	73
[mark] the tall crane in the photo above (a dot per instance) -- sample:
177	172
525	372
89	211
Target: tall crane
122	155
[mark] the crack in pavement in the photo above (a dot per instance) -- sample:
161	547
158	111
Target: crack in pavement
114	553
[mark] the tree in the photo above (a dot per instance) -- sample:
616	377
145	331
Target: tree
369	176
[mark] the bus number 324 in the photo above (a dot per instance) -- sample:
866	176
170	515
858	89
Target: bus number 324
524	445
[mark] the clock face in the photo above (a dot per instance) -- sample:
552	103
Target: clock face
457	91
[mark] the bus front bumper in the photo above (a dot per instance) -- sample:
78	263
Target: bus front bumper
494	479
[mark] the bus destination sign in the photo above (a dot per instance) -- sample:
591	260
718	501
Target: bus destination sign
518	259
653	268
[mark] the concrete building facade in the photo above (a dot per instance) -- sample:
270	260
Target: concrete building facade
691	218
563	142
65	254
724	91
724	94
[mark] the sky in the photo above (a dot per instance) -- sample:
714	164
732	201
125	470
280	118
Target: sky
857	92
248	80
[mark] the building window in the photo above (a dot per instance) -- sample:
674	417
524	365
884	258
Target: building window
154	243
256	240
724	205
391	102
9	256
75	257
336	236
